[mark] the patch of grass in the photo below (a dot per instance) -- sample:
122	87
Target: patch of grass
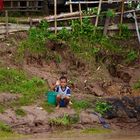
81	105
96	131
137	85
102	106
15	81
20	112
131	56
2	108
4	127
57	58
124	31
60	121
65	120
6	135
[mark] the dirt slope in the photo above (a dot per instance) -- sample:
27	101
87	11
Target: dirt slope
88	80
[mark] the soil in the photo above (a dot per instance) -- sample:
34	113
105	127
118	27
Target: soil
88	81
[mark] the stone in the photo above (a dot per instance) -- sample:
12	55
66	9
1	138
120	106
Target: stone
110	114
137	101
131	113
8	97
88	118
95	89
114	89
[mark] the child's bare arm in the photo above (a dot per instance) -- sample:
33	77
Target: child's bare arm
54	85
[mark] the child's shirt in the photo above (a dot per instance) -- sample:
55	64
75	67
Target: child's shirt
65	91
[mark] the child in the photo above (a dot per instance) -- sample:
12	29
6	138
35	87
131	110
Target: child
63	92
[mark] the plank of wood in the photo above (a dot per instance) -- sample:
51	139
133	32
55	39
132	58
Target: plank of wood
93	2
122	11
98	13
137	26
55	16
66	15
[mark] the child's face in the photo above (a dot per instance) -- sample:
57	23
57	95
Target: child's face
63	83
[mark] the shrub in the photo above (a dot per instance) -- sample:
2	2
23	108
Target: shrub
65	120
131	56
137	85
102	107
124	31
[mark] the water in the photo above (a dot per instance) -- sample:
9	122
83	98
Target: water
80	136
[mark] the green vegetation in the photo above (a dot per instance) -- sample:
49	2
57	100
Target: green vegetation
5	135
96	131
124	31
6	132
4	127
102	106
65	120
20	112
81	105
85	40
137	85
110	13
131	56
90	11
15	81
2	108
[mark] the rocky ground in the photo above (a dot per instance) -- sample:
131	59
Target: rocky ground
87	81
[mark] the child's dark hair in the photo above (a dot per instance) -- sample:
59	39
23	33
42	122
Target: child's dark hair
63	77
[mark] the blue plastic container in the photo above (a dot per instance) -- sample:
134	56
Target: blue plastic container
51	97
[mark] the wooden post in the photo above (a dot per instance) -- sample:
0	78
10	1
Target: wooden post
137	27
31	22
6	22
55	16
71	10
98	13
122	11
107	20
80	10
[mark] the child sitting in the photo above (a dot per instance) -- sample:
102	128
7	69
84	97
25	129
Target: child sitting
64	92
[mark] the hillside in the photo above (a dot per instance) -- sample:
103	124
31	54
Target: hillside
101	70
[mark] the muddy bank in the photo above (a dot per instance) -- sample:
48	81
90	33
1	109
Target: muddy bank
88	80
123	115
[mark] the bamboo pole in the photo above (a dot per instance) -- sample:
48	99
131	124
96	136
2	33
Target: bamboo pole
121	18
98	13
31	22
55	15
71	10
6	22
122	11
92	2
137	27
80	13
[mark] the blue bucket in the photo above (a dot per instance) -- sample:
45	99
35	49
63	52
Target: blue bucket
51	97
